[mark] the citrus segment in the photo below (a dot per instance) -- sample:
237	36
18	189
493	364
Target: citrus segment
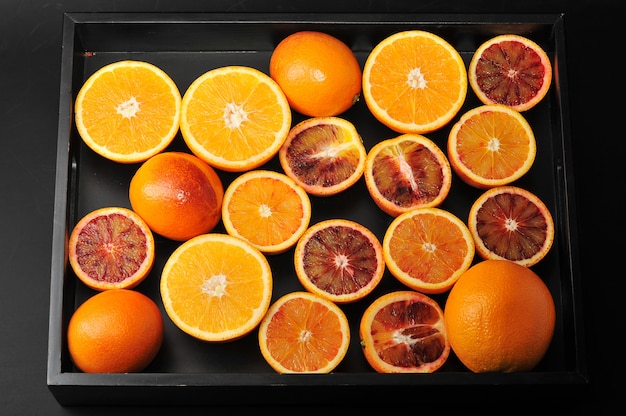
414	82
339	260
318	72
111	248
235	118
216	287
500	316
407	172
267	209
304	333
115	331
177	194
511	223
404	332
491	145
324	155
427	249
128	111
511	70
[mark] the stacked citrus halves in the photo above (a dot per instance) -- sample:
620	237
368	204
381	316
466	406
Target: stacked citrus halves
236	119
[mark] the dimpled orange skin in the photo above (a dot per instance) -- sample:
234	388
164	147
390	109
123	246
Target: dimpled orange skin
500	317
318	73
178	195
115	331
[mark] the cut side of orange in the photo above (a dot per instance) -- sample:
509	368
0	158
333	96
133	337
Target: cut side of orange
414	82
111	248
404	332
339	260
491	145
511	70
324	155
267	209
304	333
511	223
427	249
128	111
407	172
216	287
235	118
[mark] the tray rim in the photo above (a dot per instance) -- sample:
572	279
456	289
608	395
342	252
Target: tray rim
61	383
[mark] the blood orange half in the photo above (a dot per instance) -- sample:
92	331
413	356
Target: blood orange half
339	260
111	248
511	223
407	172
404	332
511	70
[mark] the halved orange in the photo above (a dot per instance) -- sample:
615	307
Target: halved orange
111	248
324	155
304	333
414	82
491	145
216	287
511	223
267	209
235	118
427	249
407	172
339	260
511	70
404	332
128	111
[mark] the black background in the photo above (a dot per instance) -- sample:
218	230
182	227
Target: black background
30	55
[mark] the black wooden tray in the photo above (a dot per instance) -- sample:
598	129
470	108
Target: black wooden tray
188	371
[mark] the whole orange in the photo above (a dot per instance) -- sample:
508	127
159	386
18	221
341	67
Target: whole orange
177	194
500	317
318	73
115	331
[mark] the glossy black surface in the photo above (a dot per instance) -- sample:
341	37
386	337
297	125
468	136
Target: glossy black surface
31	74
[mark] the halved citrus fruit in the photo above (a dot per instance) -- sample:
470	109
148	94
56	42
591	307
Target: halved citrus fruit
414	82
511	70
304	333
339	260
318	72
111	248
128	111
427	249
491	145
235	118
216	287
324	155
404	332
407	172
177	194
500	316
511	223
267	209
115	331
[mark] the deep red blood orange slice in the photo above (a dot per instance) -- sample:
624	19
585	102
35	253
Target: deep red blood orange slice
511	223
340	260
407	172
324	155
111	248
511	70
404	332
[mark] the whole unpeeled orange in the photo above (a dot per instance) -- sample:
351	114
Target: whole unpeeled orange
318	73
115	331
500	317
178	195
